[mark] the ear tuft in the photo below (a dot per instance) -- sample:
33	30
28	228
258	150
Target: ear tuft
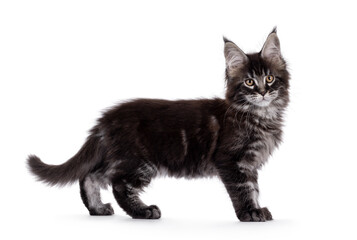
271	49
226	39
235	57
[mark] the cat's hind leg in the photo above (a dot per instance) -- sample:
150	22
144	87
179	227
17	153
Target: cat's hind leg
90	193
126	189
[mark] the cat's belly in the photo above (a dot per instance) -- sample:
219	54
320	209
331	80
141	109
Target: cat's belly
188	171
186	152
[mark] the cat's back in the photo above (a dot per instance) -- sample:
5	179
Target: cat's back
165	112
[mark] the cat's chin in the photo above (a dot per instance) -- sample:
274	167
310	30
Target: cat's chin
262	103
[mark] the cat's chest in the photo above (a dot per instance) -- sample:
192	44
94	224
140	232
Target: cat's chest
261	148
254	145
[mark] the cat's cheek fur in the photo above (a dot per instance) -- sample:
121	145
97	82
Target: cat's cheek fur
136	141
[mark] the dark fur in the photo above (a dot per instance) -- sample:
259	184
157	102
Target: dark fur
139	140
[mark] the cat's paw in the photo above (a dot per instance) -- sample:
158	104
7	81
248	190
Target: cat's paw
104	210
255	215
267	214
150	212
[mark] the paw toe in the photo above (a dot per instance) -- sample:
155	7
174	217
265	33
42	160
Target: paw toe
267	214
108	210
155	212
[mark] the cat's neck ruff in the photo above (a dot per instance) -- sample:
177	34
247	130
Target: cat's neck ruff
270	112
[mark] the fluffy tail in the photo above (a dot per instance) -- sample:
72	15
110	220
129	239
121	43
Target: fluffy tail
75	168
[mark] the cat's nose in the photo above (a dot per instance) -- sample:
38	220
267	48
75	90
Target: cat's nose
263	92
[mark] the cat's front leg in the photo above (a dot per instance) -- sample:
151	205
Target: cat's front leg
242	186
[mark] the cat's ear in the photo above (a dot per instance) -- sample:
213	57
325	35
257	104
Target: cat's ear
271	49
235	57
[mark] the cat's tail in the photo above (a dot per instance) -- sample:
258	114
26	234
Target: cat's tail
75	168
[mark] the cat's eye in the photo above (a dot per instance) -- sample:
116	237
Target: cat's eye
249	82
269	78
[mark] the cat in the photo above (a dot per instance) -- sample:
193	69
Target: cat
231	138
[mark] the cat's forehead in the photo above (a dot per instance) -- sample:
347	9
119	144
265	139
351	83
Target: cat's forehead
258	74
257	67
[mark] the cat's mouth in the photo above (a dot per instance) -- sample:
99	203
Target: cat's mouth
261	101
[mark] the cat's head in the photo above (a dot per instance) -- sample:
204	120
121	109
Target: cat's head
257	80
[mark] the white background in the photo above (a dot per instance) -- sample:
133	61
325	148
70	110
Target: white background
63	62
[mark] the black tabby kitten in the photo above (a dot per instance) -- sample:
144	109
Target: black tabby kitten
230	138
